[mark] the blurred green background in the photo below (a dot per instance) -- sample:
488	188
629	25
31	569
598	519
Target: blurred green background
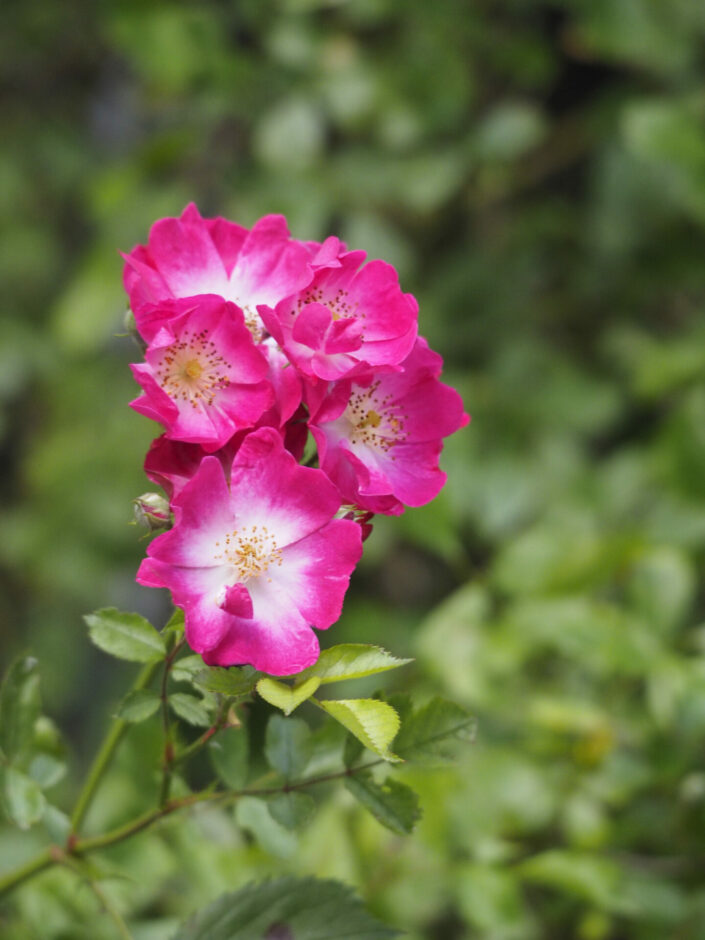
536	172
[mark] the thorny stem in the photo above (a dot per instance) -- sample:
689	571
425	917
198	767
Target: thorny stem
80	847
105	754
168	760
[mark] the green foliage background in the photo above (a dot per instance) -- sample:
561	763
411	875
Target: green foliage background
536	171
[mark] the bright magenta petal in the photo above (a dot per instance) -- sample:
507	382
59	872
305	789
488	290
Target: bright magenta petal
202	518
184	254
268	486
316	571
277	641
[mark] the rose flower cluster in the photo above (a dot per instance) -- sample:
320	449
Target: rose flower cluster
252	340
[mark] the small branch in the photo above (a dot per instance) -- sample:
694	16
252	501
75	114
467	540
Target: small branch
39	863
105	754
168	760
82	846
79	847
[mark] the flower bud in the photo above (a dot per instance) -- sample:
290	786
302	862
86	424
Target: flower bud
363	519
152	511
130	325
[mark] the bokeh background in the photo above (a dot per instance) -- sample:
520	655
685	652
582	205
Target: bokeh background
536	172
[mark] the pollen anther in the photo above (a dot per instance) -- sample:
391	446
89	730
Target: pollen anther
250	551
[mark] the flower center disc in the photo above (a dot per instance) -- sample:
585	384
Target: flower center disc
373	422
250	552
193	369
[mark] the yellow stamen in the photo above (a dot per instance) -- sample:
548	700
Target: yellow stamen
250	553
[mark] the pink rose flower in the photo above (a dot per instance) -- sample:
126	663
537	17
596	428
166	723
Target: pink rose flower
190	256
257	564
379	436
348	320
203	378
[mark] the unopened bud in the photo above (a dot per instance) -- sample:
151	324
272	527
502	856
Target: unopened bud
152	511
363	519
130	325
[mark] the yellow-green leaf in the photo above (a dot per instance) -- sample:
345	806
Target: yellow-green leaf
284	696
372	722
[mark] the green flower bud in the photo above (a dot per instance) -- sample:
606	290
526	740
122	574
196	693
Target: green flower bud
152	511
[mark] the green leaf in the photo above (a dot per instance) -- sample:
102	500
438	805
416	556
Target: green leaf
352	750
56	823
190	708
291	809
351	661
24	800
46	769
47	762
138	705
392	803
187	668
127	636
303	908
431	734
285	697
373	722
175	623
253	815
287	745
19	709
234	681
229	754
328	742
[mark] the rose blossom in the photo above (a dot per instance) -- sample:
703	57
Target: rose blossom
258	563
379	436
191	256
203	378
347	320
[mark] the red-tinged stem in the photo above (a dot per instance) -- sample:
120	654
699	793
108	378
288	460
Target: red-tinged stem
195	746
